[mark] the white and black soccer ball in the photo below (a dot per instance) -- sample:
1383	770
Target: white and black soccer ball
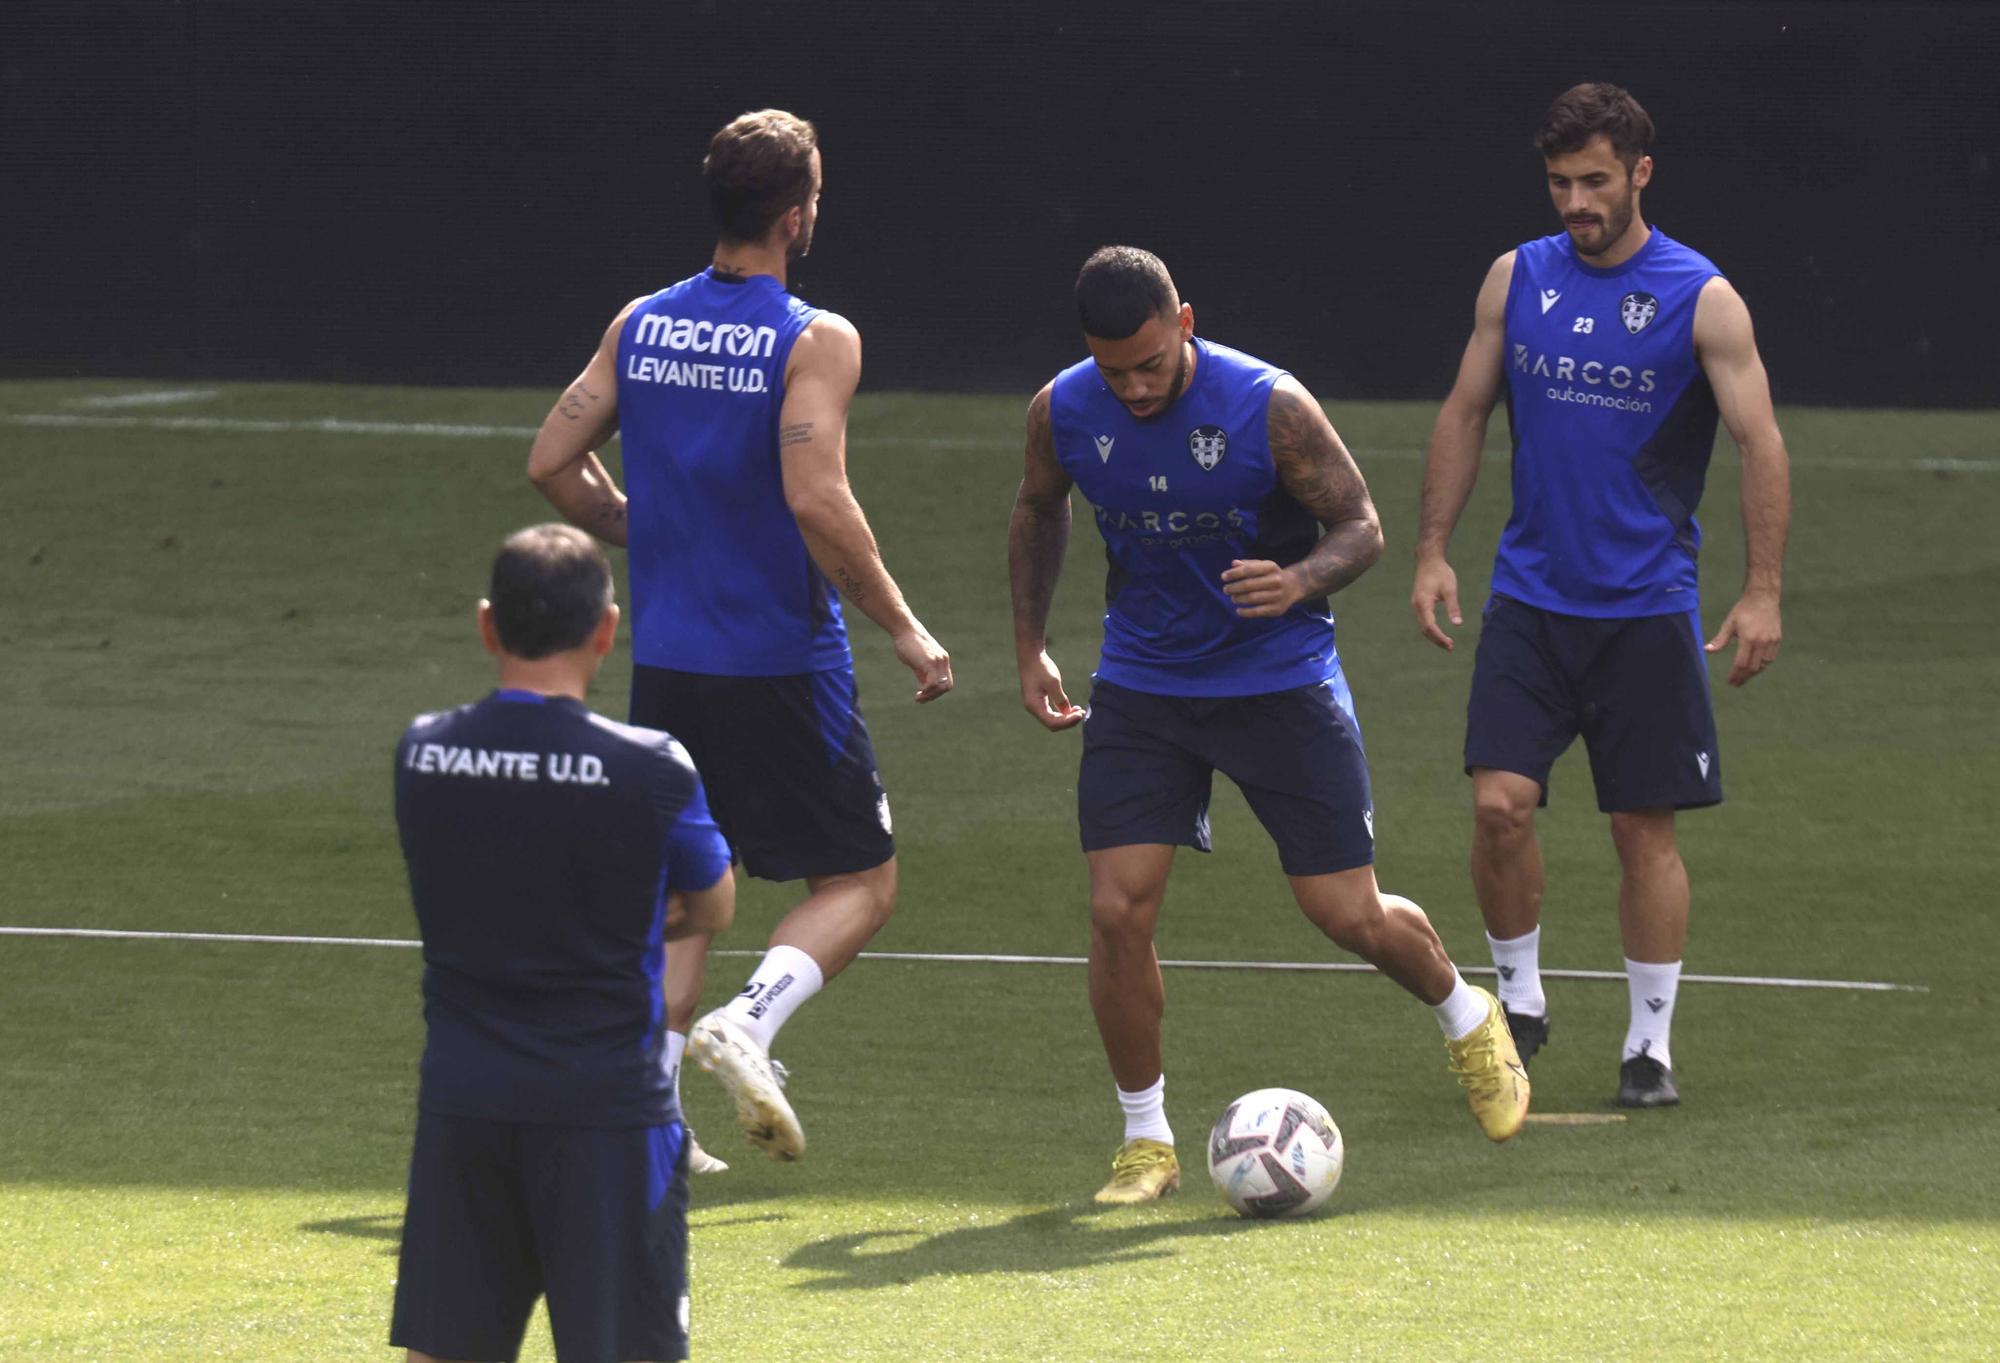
1275	1152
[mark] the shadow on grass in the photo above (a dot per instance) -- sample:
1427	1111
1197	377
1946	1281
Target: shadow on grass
388	1227
384	1227
1052	1240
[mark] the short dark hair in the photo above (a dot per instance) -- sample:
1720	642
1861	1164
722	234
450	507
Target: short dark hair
1593	108
758	166
1120	289
550	586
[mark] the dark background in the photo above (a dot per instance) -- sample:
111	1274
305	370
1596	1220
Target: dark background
447	193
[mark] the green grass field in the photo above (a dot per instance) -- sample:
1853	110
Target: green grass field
214	632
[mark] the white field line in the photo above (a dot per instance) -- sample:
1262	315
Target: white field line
1958	465
343	426
460	431
973	958
159	397
257	426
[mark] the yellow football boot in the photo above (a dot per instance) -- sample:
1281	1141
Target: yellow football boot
1489	1069
1142	1170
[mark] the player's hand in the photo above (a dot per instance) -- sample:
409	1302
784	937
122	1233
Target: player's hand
1435	582
1755	626
1260	588
1042	694
925	656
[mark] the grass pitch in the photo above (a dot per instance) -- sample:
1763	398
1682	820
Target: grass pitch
216	620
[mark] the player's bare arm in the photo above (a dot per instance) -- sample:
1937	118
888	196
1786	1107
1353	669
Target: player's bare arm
1037	538
820	379
702	913
1321	476
563	464
1726	345
1451	459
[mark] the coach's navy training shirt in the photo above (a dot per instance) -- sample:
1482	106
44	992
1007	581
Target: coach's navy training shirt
541	841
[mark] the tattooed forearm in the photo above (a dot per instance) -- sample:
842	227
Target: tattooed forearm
1038	533
1037	539
1318	472
851	584
1342	554
576	402
798	433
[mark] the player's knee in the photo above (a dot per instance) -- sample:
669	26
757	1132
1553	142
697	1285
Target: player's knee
1118	912
1645	838
1501	816
880	883
1356	929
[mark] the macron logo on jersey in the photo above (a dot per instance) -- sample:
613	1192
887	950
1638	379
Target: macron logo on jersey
705	337
1550	298
701	337
1104	444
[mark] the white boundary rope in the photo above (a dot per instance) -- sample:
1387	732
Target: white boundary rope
975	958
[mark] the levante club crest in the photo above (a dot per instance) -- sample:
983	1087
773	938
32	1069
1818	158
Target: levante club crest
1637	309
1208	444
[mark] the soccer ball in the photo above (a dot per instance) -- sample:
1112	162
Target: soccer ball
1275	1152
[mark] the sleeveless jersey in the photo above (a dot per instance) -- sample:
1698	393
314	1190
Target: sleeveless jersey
541	841
721	580
1178	496
1613	422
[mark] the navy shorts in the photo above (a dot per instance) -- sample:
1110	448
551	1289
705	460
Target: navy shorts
501	1213
1148	761
1635	688
786	762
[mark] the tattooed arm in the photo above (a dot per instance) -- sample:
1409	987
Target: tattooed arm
820	379
1316	469
1037	537
563	465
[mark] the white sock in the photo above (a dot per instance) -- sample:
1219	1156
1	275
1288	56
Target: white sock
671	1062
1146	1112
1462	1009
1519	961
783	980
1653	987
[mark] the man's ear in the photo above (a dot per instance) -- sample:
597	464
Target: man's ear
606	633
489	633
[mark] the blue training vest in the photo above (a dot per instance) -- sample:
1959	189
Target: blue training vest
1613	422
1178	496
721	580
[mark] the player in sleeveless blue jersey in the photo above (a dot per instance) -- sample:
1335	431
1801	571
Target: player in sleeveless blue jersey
1230	512
732	399
551	855
1616	349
